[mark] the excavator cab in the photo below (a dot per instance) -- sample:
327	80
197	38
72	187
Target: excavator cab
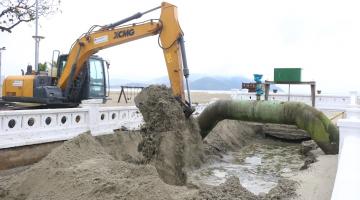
91	82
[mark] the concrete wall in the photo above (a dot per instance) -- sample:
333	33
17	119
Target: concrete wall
348	172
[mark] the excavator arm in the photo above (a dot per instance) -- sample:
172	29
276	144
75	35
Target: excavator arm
171	42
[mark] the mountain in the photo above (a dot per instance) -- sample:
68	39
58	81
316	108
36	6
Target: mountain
162	80
114	82
165	80
218	83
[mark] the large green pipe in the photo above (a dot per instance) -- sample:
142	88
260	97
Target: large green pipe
320	128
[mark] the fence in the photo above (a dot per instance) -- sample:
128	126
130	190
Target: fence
25	127
321	101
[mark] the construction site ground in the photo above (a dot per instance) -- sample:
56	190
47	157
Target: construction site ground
155	163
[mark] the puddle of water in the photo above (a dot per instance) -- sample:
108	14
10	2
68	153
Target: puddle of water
259	166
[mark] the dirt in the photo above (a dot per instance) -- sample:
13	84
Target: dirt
170	140
317	182
285	189
233	190
228	135
229	190
89	168
123	146
306	151
132	165
83	169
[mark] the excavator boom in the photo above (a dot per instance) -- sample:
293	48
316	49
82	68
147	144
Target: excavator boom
94	42
171	42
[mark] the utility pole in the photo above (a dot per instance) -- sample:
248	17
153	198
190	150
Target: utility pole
36	36
1	49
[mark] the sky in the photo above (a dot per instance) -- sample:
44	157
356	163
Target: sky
227	38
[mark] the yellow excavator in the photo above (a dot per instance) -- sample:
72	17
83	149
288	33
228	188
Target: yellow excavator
81	75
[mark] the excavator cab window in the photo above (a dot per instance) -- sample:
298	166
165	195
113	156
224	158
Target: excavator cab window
61	64
97	84
94	86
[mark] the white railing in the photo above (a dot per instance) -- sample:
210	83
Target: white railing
321	101
25	127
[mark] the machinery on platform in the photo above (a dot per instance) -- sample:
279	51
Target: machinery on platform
259	86
81	75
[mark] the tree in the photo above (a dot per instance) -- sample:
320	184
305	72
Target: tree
14	12
43	67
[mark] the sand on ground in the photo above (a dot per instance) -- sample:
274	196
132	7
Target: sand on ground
317	182
196	97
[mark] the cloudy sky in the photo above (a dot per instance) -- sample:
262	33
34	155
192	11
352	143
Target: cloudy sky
229	37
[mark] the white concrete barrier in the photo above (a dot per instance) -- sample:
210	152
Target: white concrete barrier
347	179
26	127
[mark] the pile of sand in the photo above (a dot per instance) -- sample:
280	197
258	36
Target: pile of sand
229	190
89	168
82	169
171	141
228	135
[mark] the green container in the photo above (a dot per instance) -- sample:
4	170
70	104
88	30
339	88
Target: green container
287	75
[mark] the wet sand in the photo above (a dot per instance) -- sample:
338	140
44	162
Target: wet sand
317	182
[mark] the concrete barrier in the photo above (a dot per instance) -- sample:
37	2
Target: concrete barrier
27	127
347	179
